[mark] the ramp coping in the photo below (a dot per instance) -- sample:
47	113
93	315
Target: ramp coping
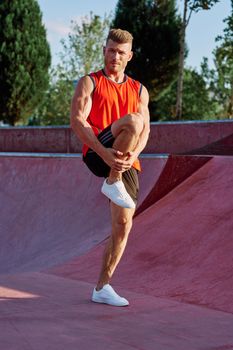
79	155
66	155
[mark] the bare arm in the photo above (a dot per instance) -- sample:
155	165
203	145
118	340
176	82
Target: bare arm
144	111
80	109
143	138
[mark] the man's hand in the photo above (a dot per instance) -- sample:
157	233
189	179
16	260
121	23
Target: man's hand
117	161
113	157
130	158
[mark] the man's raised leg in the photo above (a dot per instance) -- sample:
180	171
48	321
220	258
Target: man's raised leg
126	132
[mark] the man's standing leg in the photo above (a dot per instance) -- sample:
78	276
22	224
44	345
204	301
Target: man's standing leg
121	226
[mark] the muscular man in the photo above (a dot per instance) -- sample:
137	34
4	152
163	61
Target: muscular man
110	116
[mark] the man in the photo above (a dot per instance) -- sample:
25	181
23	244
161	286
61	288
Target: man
110	115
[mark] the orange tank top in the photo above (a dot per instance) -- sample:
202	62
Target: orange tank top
112	101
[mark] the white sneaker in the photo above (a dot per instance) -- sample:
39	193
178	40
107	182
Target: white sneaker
117	193
107	295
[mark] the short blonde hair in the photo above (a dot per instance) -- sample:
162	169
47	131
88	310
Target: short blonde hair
120	36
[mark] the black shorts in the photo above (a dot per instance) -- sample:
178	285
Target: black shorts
99	168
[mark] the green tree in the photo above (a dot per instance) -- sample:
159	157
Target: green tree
220	78
24	59
190	6
197	102
155	28
82	52
54	109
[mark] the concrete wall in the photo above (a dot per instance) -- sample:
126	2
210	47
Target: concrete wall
167	137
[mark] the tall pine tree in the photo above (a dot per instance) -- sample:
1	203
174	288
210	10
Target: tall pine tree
155	28
24	59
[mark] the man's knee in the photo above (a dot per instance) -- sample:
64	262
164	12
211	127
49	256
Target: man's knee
122	227
135	123
123	221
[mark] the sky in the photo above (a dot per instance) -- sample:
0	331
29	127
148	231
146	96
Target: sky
201	32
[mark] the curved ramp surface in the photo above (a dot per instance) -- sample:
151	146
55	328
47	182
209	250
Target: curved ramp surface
42	210
53	225
51	209
181	247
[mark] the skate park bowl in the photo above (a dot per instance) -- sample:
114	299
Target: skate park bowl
176	272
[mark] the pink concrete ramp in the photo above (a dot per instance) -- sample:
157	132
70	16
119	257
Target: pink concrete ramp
51	209
176	272
223	146
175	171
181	247
41	311
42	211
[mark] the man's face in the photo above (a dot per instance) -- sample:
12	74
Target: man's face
116	56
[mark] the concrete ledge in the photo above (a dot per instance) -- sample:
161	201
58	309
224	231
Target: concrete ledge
166	137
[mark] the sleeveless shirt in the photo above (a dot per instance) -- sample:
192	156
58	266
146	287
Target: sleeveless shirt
112	101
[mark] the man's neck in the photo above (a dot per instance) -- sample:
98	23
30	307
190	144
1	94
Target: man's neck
117	77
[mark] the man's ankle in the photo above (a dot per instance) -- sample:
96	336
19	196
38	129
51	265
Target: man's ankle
112	180
100	286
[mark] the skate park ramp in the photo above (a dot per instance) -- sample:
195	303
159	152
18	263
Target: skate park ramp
176	271
181	246
52	209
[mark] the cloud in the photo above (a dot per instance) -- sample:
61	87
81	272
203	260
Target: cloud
62	29
58	28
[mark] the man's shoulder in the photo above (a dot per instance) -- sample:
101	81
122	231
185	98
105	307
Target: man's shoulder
135	83
91	77
96	74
